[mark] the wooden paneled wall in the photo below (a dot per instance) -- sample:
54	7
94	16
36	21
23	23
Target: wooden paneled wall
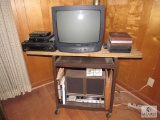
140	18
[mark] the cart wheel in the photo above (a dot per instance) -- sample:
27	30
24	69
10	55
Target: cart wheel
56	111
108	115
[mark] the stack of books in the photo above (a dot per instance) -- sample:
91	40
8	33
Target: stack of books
120	42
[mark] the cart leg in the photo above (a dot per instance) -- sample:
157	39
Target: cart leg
108	115
56	111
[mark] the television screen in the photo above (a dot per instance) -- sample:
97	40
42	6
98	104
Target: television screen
78	28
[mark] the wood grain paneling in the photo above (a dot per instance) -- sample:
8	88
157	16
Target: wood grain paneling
147	39
29	17
45	9
140	18
156	87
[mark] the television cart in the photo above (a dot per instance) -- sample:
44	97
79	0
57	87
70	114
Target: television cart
99	60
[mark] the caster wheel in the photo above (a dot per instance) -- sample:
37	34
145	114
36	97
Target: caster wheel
108	115
56	111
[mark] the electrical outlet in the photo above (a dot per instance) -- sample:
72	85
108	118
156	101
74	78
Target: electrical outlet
150	82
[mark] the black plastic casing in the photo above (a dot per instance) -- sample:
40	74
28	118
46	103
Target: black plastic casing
79	47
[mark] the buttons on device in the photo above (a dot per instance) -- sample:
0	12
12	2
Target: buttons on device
81	49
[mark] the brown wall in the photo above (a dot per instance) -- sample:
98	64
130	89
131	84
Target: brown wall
140	18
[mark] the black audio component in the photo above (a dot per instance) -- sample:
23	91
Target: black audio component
41	39
39	34
39	46
120	49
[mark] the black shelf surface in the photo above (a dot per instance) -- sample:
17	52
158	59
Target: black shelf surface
82	105
85	62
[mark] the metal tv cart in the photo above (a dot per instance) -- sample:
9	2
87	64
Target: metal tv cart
74	65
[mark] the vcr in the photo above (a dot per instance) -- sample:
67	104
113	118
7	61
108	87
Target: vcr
38	46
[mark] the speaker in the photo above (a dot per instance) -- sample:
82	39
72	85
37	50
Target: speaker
74	85
95	86
78	83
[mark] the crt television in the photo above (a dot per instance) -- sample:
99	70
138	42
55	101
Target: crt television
78	29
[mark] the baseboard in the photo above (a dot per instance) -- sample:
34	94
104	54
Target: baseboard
139	95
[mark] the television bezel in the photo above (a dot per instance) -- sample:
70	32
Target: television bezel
64	47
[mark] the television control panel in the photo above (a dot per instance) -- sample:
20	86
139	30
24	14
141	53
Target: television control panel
79	49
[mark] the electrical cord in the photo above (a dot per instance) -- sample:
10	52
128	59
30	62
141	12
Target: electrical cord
128	100
137	102
132	109
126	104
132	90
119	104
